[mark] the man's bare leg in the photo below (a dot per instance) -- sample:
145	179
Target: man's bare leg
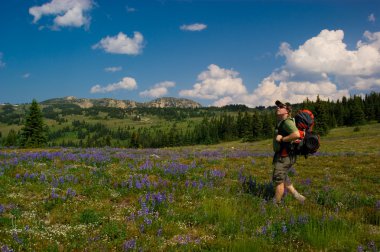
280	188
294	192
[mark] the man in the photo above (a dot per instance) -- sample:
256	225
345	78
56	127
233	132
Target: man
286	132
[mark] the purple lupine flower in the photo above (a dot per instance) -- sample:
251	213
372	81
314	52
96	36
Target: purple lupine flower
284	228
18	176
70	193
53	194
130	183
138	184
159	232
302	219
54	182
6	249
306	182
131	217
2	209
360	248
42	177
264	230
200	185
377	205
16	238
129	245
142	228
147	221
292	220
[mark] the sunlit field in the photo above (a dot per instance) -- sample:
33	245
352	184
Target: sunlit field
192	198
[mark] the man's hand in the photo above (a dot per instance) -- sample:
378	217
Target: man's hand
279	138
294	136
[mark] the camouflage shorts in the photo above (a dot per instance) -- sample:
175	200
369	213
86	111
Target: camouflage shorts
281	166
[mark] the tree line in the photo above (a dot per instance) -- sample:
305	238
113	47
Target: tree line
232	122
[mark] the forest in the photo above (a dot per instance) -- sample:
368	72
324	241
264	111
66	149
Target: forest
68	125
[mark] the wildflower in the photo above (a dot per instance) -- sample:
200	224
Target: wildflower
16	238
360	248
306	182
159	232
70	193
53	194
284	228
148	221
292	220
264	230
129	245
42	177
2	209
6	249
378	205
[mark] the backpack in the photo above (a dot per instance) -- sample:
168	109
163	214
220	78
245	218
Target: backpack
309	141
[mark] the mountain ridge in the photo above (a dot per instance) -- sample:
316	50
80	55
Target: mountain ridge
163	102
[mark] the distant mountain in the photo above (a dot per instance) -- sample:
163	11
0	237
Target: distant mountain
164	102
171	102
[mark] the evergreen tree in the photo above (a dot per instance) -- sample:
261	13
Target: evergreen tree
11	139
321	115
257	126
357	113
268	125
33	132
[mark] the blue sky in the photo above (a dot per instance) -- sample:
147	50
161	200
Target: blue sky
214	52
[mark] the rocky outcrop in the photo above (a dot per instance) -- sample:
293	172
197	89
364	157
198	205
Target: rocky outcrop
165	102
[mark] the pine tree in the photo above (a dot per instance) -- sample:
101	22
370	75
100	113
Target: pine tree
33	132
357	113
257	126
11	139
321	115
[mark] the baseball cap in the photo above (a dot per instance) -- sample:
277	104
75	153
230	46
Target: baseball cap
286	105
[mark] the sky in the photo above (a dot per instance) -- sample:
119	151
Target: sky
215	52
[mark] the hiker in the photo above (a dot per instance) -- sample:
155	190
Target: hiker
285	132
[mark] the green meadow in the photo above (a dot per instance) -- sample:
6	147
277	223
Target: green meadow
192	198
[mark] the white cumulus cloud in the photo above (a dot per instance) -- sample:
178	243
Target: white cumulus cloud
216	82
329	54
127	83
193	27
159	89
121	44
322	65
66	12
113	69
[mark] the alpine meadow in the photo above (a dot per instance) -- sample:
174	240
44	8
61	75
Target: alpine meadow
211	192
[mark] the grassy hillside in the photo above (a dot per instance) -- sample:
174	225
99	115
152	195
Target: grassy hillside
191	198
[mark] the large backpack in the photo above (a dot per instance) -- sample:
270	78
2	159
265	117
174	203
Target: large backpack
309	141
